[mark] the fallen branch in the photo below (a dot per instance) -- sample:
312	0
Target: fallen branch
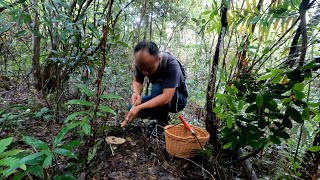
245	157
200	167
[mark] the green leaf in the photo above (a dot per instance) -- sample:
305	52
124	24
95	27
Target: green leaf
110	96
298	87
299	95
222	116
21	162
71	144
36	143
218	95
6	27
275	139
79	102
107	109
228	145
314	148
217	109
74	115
306	113
123	44
10	153
251	108
83	89
65	152
310	65
206	12
265	77
48	161
86	128
36	170
4	143
259	100
230	104
229	122
294	114
8	161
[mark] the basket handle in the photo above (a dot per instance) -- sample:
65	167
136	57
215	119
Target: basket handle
186	125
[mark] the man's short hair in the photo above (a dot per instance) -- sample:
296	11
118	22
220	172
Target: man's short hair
151	47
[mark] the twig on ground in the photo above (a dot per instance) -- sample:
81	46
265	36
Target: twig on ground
200	167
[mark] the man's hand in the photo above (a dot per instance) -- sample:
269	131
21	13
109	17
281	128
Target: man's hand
133	113
136	99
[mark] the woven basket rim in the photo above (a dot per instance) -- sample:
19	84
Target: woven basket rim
195	128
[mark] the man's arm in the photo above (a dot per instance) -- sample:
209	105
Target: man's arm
137	88
158	101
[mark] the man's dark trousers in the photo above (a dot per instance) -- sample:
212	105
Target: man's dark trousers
161	114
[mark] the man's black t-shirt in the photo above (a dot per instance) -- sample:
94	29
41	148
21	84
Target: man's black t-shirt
169	74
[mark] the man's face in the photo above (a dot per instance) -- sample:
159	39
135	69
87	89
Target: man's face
146	63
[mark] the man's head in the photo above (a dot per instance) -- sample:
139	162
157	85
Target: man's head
147	58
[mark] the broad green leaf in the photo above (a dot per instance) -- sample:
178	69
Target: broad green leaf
230	104
229	122
10	153
48	161
110	96
21	162
4	143
228	145
36	170
217	109
79	102
86	129
299	95
83	89
36	143
306	113
259	100
310	65
122	43
63	132
222	116
6	27
294	114
74	115
220	95
71	144
314	148
65	152
275	139
206	12
107	109
265	77
8	161
298	87
251	108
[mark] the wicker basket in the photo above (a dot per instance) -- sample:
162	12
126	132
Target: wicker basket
180	142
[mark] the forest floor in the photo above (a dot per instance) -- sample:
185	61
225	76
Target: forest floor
142	156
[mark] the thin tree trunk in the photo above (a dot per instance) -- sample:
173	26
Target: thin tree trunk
36	49
137	32
211	120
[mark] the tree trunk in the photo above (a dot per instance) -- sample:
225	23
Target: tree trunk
36	49
137	32
212	122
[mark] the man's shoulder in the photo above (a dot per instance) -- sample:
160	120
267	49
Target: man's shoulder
170	59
